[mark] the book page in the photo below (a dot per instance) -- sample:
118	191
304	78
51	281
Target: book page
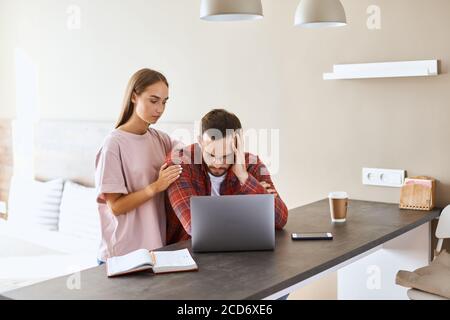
167	261
136	260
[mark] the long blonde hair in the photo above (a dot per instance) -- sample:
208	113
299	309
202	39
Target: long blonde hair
137	84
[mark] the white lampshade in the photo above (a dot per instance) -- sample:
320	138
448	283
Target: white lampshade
320	14
231	10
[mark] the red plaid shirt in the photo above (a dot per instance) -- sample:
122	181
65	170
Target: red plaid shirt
194	181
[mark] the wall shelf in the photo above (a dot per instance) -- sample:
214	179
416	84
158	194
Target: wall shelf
421	68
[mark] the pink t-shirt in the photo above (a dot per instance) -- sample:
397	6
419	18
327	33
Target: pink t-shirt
127	163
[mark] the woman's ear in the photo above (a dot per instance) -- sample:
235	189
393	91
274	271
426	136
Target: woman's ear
133	97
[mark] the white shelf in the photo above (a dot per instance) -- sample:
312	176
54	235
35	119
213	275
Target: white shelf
421	68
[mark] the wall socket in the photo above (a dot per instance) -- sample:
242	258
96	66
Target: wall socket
383	177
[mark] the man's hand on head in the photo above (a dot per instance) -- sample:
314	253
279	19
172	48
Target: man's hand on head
239	167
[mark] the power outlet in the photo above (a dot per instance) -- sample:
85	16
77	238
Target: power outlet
383	177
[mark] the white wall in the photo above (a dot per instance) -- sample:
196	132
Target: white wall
83	73
6	67
268	72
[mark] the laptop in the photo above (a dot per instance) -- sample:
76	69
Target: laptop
233	223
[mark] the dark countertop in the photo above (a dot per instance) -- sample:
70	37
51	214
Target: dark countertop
251	275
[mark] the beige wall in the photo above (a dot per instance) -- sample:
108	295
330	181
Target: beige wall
268	72
337	127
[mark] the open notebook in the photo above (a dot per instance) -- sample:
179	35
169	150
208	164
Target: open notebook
157	261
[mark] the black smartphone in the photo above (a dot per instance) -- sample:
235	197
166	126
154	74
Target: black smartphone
312	236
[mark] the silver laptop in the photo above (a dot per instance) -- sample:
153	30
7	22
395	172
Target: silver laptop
233	223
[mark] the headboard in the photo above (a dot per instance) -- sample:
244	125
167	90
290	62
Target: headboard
67	149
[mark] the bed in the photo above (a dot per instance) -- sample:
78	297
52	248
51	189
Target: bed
53	226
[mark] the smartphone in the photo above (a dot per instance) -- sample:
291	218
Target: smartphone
313	236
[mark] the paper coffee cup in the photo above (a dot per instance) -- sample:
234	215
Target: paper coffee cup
338	206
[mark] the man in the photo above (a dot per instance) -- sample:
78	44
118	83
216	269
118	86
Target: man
217	165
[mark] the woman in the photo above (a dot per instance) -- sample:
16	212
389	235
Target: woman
131	176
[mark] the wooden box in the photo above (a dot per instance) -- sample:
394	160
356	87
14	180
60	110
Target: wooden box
418	193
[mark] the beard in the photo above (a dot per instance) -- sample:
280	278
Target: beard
217	172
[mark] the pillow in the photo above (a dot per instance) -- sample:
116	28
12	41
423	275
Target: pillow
79	213
35	204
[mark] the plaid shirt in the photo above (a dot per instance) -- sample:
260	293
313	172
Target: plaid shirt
195	181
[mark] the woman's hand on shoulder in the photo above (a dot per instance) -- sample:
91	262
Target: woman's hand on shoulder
167	176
